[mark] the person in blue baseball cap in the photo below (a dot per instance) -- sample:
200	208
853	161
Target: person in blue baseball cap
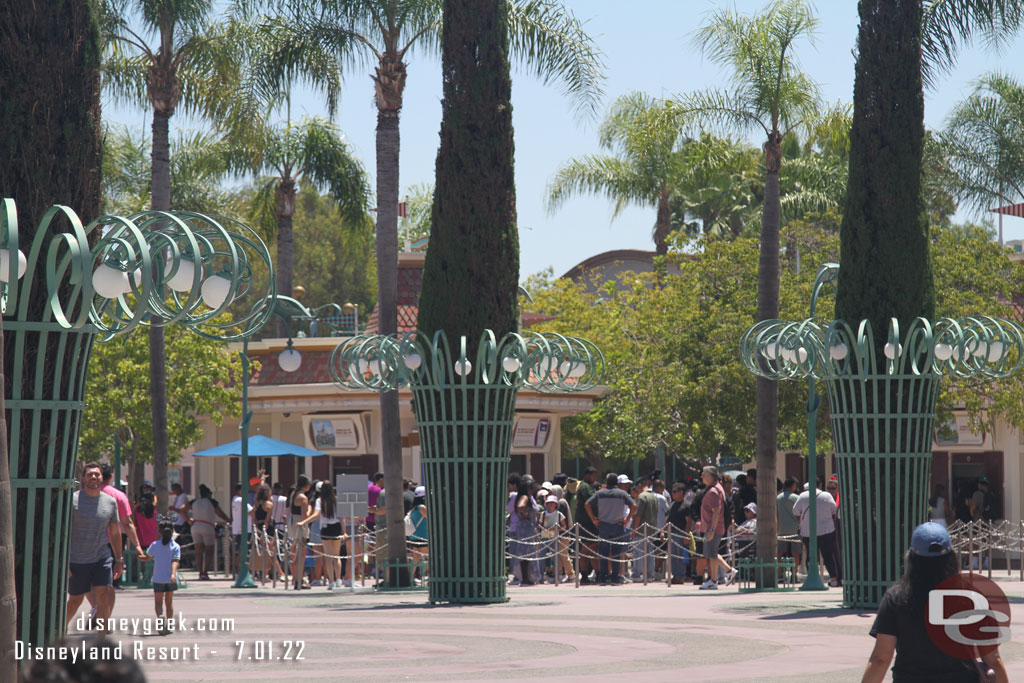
900	625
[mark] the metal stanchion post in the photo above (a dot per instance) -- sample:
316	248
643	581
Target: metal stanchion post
576	536
668	556
989	546
646	547
970	547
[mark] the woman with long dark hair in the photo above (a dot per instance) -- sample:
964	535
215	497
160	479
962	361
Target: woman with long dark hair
263	534
331	532
900	626
938	506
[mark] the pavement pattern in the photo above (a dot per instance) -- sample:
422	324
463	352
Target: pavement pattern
551	633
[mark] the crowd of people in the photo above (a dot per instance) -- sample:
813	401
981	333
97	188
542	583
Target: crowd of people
628	531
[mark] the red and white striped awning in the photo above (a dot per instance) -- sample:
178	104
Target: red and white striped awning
1011	210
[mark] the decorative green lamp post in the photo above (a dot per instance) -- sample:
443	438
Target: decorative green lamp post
465	411
290	359
882	418
204	265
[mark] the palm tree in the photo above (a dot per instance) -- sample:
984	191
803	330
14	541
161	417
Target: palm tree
542	33
312	151
191	62
648	142
770	95
199	165
984	143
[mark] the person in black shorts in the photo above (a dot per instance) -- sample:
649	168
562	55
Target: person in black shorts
95	563
165	554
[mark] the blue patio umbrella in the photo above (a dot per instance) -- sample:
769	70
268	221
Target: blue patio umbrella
259	446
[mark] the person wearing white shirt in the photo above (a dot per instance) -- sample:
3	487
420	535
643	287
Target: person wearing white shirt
236	523
825	508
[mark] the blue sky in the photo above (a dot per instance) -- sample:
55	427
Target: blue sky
648	47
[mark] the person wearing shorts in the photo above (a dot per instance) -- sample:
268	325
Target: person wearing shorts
94	562
205	511
712	522
165	555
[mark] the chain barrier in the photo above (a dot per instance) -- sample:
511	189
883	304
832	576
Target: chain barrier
647	541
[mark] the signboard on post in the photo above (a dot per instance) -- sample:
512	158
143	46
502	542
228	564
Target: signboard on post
353	494
353	491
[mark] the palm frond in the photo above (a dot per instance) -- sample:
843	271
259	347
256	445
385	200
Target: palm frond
550	41
327	161
950	25
983	143
599	174
760	52
734	110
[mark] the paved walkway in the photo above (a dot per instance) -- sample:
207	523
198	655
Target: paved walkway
543	633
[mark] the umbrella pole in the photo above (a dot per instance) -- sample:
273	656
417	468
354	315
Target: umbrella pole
243	580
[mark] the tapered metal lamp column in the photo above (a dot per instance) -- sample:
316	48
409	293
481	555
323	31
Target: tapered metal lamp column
827	275
243	580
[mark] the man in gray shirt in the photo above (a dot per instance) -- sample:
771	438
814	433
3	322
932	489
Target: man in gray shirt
789	524
94	518
611	521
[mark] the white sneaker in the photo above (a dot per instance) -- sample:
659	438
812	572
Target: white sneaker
345	583
730	577
709	585
514	581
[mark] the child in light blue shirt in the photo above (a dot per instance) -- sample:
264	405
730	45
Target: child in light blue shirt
165	554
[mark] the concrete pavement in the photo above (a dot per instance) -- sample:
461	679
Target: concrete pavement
555	633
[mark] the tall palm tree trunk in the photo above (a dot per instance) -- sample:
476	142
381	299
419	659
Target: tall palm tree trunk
767	395
285	243
388	144
161	201
662	225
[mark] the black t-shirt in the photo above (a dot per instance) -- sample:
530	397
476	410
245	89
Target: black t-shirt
918	660
408	500
583	494
677	515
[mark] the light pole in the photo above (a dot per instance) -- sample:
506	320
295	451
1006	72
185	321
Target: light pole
289	360
828	275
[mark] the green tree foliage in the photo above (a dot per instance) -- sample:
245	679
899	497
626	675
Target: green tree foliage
336	264
886	271
673	369
200	382
974	276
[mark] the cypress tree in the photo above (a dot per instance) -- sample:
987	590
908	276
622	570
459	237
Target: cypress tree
470	281
886	269
50	131
471	273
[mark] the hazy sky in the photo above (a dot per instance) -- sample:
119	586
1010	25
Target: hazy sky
648	47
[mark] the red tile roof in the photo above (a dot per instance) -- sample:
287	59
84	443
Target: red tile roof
314	369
